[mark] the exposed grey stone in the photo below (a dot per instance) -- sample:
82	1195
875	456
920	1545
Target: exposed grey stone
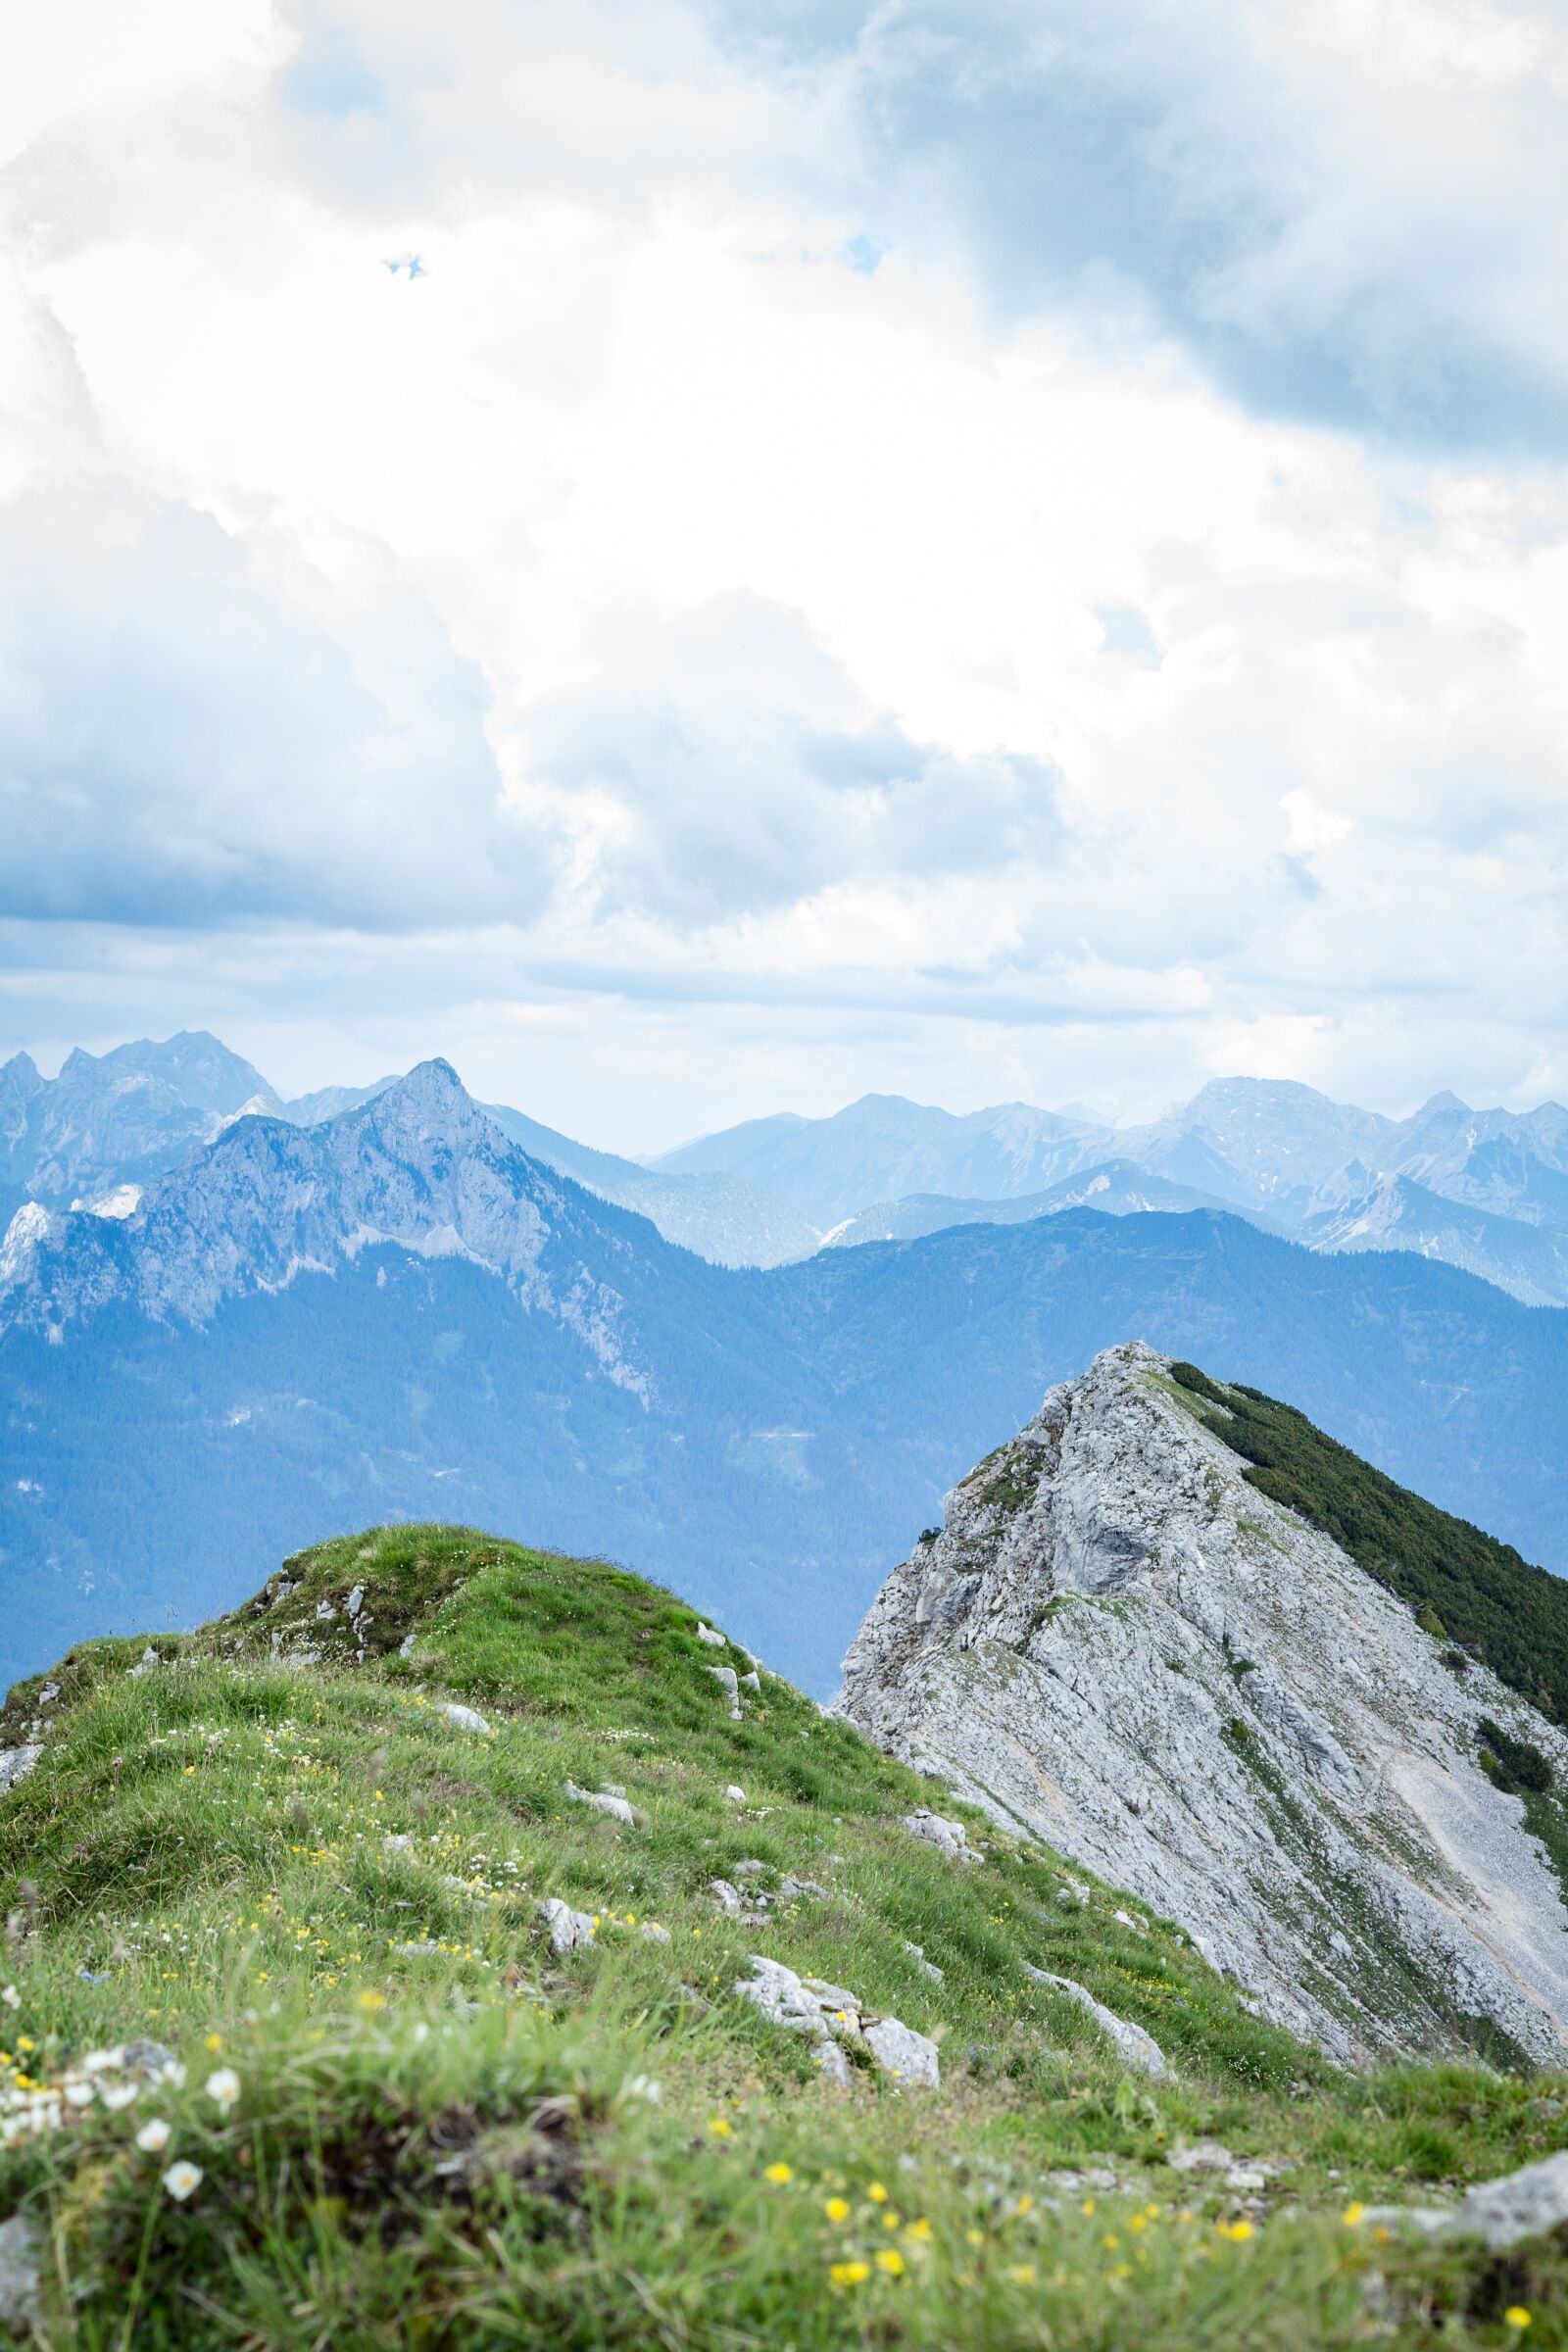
903	2054
609	1800
726	1896
950	1837
1203	2156
568	1931
835	2066
147	1663
790	1889
1132	2044
406	1646
736	1795
15	1763
21	2271
653	1932
705	1633
1520	2205
930	1968
467	1719
828	2013
724	1675
355	1600
752	1682
1245	1650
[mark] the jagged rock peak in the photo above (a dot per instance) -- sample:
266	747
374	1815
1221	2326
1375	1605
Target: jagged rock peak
1120	1645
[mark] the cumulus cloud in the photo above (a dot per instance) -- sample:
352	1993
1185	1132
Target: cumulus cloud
738	770
180	744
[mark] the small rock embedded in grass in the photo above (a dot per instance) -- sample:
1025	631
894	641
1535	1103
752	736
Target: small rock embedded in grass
609	1800
725	1677
949	1836
1520	2205
467	1719
20	2269
705	1633
830	2013
15	1763
568	1929
1132	2044
927	1967
737	1796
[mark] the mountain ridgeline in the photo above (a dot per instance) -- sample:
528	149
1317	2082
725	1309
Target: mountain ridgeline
398	1314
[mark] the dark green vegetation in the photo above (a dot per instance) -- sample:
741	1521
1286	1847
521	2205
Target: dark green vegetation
1474	1591
438	2136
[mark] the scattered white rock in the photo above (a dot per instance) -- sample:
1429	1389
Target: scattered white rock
737	1796
727	1897
1203	2156
829	2014
1139	1926
724	1676
1520	2205
398	1842
145	1664
653	1932
1246	2179
752	1682
467	1719
20	2269
790	1889
930	1968
949	1836
406	1646
899	2051
17	1762
568	1931
705	1633
609	1800
1132	2044
326	1608
355	1600
835	2066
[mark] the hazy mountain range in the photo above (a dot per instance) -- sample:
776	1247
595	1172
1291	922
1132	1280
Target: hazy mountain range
399	1312
1487	1191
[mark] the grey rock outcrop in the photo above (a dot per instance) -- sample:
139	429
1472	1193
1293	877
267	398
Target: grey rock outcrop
15	1763
21	2271
568	1931
1118	1645
1135	2047
829	2014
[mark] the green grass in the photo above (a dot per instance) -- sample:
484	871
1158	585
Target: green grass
1463	1583
444	2137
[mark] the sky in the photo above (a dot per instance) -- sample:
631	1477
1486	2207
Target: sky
971	548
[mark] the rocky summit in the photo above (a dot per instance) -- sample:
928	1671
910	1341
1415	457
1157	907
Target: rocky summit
1122	1643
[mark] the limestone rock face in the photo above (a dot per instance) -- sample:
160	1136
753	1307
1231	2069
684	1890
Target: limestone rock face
1118	1645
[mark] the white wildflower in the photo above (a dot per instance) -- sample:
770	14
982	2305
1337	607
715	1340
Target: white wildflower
153	2137
224	2086
182	2180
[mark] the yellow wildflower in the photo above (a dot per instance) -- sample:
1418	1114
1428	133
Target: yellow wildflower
779	2173
891	2261
1022	2273
837	2209
1516	2316
369	1999
721	2126
877	2193
921	2231
1352	2213
849	2274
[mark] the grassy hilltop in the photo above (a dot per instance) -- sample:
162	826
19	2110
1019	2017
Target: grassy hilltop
315	1893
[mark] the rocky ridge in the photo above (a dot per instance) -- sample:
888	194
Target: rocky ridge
1118	1645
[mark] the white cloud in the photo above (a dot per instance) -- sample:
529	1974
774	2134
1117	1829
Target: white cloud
762	647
